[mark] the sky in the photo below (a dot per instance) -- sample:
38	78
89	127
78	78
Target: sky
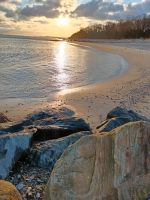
61	18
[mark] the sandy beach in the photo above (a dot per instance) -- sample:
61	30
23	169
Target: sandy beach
130	90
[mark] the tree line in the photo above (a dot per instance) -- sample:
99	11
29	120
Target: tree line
124	29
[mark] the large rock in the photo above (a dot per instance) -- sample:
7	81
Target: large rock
12	146
114	165
50	124
15	138
8	191
46	154
119	111
117	117
61	128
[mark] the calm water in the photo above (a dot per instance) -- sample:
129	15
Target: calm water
36	69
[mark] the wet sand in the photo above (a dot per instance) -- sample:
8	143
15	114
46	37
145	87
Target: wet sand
130	90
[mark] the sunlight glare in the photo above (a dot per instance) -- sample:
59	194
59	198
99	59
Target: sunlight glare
61	62
63	21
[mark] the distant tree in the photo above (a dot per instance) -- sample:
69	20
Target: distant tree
124	29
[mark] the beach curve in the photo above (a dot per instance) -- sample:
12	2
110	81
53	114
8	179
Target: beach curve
130	89
92	102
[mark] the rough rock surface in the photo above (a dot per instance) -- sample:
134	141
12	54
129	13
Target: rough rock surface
114	165
3	118
12	146
61	128
46	154
16	138
8	191
50	124
117	117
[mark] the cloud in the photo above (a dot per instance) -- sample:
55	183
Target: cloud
39	11
9	7
111	10
94	9
41	8
23	15
36	8
134	10
16	2
47	8
97	9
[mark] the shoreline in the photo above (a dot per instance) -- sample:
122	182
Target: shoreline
92	102
129	89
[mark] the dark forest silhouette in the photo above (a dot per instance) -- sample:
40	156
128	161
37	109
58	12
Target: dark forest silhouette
128	29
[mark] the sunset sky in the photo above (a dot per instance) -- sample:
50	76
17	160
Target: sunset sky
64	17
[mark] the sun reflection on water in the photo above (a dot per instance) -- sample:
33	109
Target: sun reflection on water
61	60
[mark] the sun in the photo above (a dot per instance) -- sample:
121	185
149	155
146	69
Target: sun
63	21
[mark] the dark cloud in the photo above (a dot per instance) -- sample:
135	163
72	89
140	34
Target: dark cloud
2	1
38	11
138	9
86	10
100	10
95	9
16	2
8	7
8	12
47	8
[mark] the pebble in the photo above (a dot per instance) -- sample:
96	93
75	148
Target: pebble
20	186
31	183
38	195
18	176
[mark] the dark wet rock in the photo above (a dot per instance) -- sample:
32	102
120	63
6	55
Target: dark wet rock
49	132
3	118
17	138
45	122
119	112
46	154
12	146
109	125
60	128
117	117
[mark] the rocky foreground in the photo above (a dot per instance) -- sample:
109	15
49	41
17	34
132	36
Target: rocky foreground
53	154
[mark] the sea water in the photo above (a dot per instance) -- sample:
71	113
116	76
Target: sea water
37	69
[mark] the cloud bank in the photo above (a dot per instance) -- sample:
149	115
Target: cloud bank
15	12
105	10
94	9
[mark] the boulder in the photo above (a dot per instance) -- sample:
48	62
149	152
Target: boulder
50	124
114	165
61	128
16	138
119	111
46	154
8	191
117	117
12	146
40	118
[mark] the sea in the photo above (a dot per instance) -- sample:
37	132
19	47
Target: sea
31	69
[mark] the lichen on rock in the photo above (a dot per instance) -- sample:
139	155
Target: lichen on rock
112	165
8	191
